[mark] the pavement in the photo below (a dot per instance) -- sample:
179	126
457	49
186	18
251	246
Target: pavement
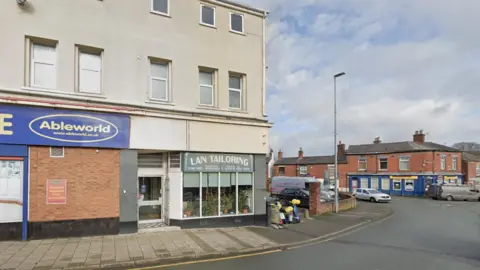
161	248
421	234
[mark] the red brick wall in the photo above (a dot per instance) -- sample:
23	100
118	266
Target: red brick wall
93	180
316	170
470	170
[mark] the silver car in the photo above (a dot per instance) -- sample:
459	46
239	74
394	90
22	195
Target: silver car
372	195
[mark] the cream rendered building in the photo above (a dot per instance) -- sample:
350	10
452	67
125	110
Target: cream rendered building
188	74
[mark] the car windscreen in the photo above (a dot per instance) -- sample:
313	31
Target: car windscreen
373	191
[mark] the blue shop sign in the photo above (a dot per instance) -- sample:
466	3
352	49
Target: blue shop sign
41	126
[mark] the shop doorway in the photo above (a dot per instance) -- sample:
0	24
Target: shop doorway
150	200
11	188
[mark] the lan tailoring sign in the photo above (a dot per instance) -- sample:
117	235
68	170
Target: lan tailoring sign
39	126
205	162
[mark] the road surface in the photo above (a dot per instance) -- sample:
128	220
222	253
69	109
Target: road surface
422	234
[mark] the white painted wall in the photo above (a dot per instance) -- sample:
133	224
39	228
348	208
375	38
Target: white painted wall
176	195
152	133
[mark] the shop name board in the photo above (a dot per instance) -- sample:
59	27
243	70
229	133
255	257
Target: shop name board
201	162
39	126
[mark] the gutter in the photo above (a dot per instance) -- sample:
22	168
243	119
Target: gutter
238	5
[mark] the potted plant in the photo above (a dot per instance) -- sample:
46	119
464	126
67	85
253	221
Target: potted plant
210	206
227	202
188	209
243	201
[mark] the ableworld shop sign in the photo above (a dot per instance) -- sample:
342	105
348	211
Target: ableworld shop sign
206	162
41	126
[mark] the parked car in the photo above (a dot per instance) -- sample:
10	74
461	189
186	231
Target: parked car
372	195
453	192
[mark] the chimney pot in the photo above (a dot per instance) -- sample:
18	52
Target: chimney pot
341	149
300	153
419	137
280	154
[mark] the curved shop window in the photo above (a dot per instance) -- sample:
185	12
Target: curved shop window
207	194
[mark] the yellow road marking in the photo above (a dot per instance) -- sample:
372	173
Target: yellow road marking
210	260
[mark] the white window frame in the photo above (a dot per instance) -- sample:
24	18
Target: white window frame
205	85
303	170
93	51
167	80
241	78
361	160
243	23
454	163
63	152
443	162
404	159
33	61
214	16
159	12
380	163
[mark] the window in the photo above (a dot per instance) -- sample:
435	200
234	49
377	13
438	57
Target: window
43	70
206	87
217	194
385	184
236	22
89	71
235	86
281	170
443	161
207	15
362	163
374	183
160	6
159	81
404	163
454	163
383	164
477	169
397	185
364	182
57	152
303	170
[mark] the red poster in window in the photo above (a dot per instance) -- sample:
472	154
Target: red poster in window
56	191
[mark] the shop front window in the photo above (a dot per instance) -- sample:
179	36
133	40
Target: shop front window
209	194
245	193
191	195
228	193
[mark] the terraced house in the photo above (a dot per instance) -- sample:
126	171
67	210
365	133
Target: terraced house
118	116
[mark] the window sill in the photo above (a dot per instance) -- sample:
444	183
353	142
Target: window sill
213	108
159	102
238	33
208	25
161	14
56	92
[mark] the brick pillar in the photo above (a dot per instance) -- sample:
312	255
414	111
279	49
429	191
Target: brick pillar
314	198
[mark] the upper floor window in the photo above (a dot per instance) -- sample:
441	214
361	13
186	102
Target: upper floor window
454	163
235	87
404	163
383	163
43	67
161	6
303	170
207	15
236	23
362	163
159	80
477	169
443	161
89	71
281	170
207	88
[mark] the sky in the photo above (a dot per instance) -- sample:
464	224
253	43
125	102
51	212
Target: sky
410	65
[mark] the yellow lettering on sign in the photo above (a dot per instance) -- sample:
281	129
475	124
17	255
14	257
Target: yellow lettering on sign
4	124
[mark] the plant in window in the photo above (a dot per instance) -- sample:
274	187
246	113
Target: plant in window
243	201
210	205
188	209
227	203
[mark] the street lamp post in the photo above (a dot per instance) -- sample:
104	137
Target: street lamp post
335	134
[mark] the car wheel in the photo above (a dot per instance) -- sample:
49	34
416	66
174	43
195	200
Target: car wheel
372	199
449	198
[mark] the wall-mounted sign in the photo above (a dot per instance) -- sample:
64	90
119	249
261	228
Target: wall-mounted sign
56	191
451	177
403	177
41	126
205	162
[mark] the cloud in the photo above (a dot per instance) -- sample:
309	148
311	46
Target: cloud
410	65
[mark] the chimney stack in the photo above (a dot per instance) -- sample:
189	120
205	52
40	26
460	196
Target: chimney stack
341	149
419	136
280	154
377	140
300	153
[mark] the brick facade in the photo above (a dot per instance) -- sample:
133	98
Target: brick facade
93	179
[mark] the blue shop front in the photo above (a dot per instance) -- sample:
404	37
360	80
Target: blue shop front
400	185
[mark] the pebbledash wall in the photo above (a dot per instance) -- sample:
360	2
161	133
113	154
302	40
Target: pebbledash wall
59	172
74	173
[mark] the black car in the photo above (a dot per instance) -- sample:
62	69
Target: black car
288	194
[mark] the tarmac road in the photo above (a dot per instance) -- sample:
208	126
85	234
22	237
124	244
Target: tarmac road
422	234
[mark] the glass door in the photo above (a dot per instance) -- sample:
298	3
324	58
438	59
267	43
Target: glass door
150	199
